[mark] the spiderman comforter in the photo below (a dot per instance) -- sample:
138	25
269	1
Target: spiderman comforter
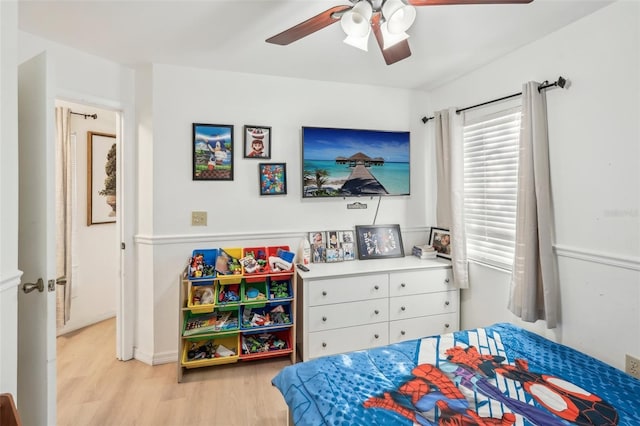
499	375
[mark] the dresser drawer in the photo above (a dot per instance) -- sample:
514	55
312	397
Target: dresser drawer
352	289
415	328
341	340
419	305
416	282
326	317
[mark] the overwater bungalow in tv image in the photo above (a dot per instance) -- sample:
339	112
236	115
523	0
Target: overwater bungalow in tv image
348	162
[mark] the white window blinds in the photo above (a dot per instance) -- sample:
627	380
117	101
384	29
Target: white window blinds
490	186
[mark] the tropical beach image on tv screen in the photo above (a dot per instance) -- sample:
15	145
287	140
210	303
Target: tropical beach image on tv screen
352	163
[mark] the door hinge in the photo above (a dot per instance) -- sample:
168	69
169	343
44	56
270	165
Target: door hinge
122	246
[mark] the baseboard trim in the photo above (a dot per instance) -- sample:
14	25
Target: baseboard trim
70	327
617	261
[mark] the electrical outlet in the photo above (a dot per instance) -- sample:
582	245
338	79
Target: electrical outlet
198	218
632	366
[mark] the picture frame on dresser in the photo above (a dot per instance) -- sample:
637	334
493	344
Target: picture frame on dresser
379	241
440	240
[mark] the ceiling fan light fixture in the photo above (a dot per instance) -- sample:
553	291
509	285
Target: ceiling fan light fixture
361	43
399	16
390	39
356	22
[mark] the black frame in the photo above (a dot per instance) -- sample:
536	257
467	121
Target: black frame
367	248
435	236
222	167
248	141
262	170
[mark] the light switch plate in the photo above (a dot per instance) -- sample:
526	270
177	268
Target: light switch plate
198	218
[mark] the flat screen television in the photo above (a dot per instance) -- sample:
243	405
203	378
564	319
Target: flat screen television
354	163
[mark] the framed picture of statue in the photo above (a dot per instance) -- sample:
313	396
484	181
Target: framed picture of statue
101	178
212	151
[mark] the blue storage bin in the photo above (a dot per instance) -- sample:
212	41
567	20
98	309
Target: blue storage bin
202	265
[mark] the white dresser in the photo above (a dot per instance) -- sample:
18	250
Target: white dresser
362	304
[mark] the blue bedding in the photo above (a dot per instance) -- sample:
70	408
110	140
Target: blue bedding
498	375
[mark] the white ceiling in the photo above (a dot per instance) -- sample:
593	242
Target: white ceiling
446	41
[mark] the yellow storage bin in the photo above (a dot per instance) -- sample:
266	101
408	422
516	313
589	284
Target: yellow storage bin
228	267
214	351
201	298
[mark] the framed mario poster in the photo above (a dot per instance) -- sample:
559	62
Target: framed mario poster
257	142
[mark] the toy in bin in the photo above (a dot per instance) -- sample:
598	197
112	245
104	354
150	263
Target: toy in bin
279	290
207	349
227	264
229	293
198	267
275	316
264	342
203	296
282	261
254	262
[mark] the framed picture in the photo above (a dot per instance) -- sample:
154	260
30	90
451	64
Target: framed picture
273	178
101	178
440	240
317	240
212	151
379	241
257	142
347	245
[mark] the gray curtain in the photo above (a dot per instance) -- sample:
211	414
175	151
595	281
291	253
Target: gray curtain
534	292
64	176
450	195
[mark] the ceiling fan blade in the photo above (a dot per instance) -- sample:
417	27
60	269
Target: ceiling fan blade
450	2
392	54
307	27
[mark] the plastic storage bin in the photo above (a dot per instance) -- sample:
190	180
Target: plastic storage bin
268	315
202	265
282	252
201	298
265	344
254	291
221	320
280	288
217	350
258	266
229	270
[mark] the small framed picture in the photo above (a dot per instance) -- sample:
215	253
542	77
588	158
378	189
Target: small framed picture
317	240
440	240
212	152
379	241
347	245
273	178
257	142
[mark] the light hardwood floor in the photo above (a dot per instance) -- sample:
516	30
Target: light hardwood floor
96	389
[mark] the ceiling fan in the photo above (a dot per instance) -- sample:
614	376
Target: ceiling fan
387	19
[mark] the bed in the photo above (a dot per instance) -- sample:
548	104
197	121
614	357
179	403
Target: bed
498	375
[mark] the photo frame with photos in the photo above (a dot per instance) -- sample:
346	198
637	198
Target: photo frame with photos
440	240
347	244
318	243
101	178
257	142
273	178
379	241
212	151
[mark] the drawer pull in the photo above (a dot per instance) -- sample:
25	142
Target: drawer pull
324	293
324	345
402	332
403	285
376	312
402	308
446	325
324	319
376	287
446	280
446	303
376	336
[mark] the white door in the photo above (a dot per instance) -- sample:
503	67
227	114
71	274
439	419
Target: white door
36	245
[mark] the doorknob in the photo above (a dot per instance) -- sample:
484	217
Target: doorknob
61	280
29	287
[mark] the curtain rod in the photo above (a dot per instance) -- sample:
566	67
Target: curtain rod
561	82
94	116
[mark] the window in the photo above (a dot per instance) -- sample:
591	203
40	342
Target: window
490	186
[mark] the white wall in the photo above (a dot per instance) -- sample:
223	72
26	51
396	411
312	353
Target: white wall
594	132
95	260
237	215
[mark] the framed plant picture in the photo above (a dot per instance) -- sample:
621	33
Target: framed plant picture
440	240
212	151
379	241
257	142
101	178
273	178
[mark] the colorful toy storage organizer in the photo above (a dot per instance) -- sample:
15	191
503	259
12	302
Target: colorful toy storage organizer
236	304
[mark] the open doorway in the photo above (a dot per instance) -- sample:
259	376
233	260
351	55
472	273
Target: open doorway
93	269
